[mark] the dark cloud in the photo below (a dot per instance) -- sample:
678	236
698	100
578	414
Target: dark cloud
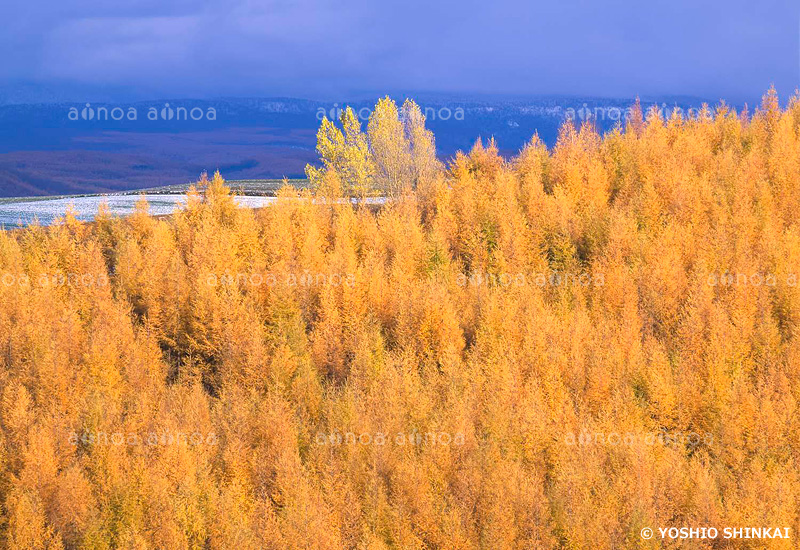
734	48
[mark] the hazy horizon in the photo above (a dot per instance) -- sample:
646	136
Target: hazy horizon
32	91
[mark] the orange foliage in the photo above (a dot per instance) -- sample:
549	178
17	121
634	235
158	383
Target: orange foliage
574	345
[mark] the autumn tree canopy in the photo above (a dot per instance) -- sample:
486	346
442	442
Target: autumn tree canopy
392	157
552	351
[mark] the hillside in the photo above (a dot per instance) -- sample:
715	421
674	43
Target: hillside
560	350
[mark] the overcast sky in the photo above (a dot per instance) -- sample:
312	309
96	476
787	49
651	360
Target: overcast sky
320	48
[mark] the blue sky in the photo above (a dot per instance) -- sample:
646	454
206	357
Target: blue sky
730	49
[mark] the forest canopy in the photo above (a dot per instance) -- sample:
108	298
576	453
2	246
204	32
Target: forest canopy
552	351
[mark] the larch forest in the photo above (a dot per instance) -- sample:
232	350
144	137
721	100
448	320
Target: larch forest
554	350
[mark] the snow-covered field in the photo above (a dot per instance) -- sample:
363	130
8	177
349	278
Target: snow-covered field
16	213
